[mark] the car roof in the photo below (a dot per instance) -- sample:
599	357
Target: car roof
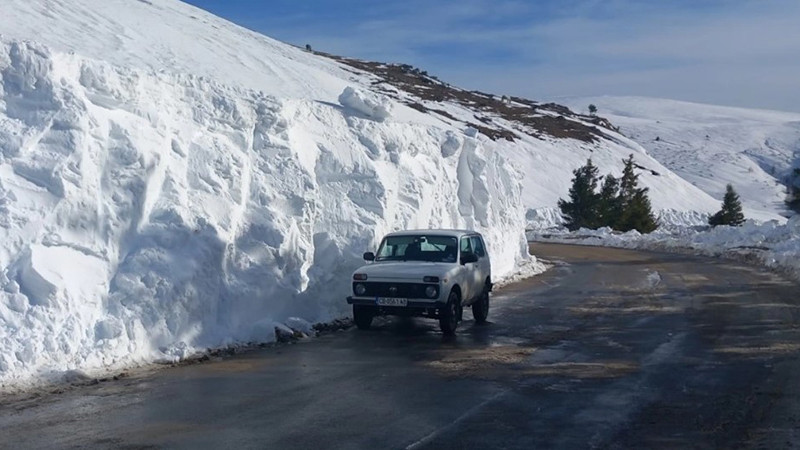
434	232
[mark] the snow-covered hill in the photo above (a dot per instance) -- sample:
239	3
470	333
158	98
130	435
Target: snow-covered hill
171	182
711	146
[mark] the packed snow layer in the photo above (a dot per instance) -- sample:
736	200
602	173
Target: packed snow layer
772	244
711	146
148	215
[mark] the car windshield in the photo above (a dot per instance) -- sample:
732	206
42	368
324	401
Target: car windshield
418	247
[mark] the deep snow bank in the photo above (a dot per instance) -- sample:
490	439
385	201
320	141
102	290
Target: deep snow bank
148	215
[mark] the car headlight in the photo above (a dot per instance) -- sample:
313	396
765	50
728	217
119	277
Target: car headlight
432	291
360	289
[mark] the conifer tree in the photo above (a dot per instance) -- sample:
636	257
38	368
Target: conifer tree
580	211
608	210
638	214
731	212
635	209
628	182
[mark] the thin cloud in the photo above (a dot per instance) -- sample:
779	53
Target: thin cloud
729	52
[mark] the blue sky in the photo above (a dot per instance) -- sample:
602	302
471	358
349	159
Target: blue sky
728	52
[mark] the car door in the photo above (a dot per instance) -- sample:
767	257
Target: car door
467	271
480	271
486	262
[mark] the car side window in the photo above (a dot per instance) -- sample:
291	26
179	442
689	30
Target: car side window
388	251
477	244
466	245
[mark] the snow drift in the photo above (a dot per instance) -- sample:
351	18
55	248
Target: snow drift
149	215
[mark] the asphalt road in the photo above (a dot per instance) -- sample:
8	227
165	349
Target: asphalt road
609	349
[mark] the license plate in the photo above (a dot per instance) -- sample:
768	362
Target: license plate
392	301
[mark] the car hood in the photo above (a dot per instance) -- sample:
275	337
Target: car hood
415	270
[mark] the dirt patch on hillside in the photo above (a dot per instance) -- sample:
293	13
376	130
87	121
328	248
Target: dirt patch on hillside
521	116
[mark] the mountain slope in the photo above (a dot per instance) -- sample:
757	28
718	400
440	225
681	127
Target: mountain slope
711	146
171	182
174	37
179	38
545	141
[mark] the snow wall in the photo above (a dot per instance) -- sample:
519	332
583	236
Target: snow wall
145	216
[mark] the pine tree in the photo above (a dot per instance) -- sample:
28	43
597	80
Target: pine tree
581	209
731	212
628	182
638	215
635	209
608	210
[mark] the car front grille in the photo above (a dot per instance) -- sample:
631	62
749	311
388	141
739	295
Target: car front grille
404	290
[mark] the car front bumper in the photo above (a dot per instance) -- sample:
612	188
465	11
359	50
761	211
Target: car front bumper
412	303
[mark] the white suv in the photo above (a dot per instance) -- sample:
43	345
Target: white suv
424	273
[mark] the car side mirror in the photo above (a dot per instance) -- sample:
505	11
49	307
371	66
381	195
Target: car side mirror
469	258
369	256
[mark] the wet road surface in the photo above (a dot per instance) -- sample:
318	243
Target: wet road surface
609	349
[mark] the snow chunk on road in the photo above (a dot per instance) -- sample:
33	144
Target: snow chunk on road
300	324
371	105
652	280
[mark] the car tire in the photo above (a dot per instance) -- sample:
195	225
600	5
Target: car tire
480	309
448	316
362	316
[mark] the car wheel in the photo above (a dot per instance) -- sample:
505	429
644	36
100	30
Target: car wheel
448	316
362	317
480	309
